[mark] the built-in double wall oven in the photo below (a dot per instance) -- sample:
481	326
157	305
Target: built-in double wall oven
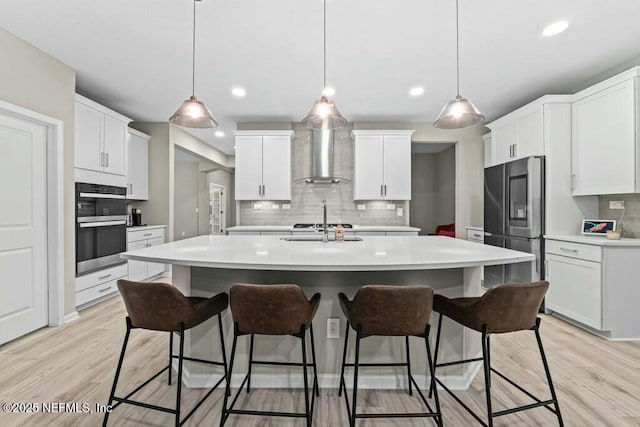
101	234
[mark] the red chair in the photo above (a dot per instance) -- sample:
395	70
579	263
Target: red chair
448	230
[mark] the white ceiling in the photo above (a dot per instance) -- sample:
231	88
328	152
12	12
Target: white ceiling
135	56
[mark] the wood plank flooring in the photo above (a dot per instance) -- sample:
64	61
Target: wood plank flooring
598	382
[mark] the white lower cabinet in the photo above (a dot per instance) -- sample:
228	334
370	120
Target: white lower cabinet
94	287
139	239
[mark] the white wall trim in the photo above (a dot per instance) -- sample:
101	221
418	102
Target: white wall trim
55	206
68	318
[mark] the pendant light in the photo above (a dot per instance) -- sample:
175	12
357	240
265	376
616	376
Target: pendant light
193	113
459	112
324	113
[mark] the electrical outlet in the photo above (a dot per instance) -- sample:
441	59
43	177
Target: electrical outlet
184	233
197	210
286	206
616	204
257	206
274	206
333	328
391	206
399	212
362	207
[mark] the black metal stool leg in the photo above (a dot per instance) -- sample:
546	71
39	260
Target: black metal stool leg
170	357
224	351
487	373
223	416
344	360
118	368
432	372
250	363
406	343
548	373
355	379
316	386
179	379
307	407
432	386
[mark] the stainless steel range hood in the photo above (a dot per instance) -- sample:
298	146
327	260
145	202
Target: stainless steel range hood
322	158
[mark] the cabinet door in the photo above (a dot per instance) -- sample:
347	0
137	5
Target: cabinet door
488	151
248	168
575	289
138	168
368	177
276	167
154	268
137	269
530	135
88	138
603	142
397	167
115	145
502	140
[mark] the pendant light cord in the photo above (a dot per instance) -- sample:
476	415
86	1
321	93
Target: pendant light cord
457	49
193	53
324	45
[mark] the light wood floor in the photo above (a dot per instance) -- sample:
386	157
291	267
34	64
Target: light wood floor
598	382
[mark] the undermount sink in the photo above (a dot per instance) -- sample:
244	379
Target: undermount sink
319	239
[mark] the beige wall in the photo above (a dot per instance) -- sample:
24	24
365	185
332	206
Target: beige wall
186	200
34	80
446	186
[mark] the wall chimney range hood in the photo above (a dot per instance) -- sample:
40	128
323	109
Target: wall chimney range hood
322	158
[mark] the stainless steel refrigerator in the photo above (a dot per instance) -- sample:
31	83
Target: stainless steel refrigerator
514	217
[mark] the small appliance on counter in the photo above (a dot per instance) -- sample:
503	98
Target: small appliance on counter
136	217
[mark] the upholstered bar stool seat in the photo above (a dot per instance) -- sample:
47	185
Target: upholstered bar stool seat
272	310
390	311
162	307
502	309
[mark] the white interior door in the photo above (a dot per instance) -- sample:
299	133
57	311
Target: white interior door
23	219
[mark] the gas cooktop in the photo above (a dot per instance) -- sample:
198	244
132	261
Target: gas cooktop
318	225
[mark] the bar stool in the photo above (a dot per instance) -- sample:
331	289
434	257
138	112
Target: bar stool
502	309
272	310
391	311
162	307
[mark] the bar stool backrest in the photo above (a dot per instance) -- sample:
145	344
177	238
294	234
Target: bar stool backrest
392	310
154	305
509	307
271	309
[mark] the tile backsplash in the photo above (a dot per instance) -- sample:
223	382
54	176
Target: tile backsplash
631	219
306	198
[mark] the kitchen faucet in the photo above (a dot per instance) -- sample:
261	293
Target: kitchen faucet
325	229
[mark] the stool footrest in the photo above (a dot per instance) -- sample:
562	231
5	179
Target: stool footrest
376	364
399	415
265	362
266	413
459	362
192	359
525	407
143	404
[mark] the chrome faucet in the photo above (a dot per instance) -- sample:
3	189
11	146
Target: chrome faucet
325	228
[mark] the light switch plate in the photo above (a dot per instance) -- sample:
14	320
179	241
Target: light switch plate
399	212
333	328
391	206
616	204
286	206
362	207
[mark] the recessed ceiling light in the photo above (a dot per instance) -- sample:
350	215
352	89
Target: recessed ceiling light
555	28
219	133
416	91
328	91
239	92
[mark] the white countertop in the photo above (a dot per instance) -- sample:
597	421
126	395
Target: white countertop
290	228
373	253
478	228
594	240
145	227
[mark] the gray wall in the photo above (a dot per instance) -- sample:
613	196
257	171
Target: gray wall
432	190
36	81
631	220
306	198
186	200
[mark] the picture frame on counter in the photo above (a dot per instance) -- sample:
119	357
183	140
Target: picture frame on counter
597	227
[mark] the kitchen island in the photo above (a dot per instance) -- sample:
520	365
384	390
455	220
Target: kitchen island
206	265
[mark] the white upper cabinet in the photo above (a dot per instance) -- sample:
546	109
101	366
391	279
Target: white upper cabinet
488	150
382	164
605	137
517	135
100	138
263	165
138	166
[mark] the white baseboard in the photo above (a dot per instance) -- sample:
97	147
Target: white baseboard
68	318
329	381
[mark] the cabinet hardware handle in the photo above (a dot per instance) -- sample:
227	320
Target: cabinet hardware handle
546	268
105	289
381	190
101	159
515	150
573	181
148	234
575	251
263	191
385	189
104	277
259	190
106	157
477	235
